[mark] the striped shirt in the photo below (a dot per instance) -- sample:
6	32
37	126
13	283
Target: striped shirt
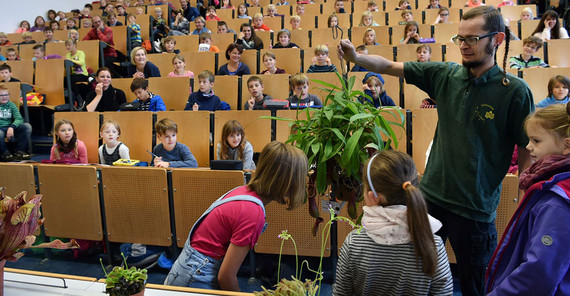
367	268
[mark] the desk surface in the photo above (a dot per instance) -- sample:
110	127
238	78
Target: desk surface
19	282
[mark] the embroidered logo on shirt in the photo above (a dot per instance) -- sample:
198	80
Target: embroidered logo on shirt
547	240
484	112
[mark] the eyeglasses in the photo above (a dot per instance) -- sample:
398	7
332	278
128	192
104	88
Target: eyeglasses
4	96
470	40
444	14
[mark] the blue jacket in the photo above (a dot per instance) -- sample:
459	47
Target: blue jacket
156	103
550	100
385	100
533	257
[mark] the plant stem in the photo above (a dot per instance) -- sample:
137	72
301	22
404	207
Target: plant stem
279	264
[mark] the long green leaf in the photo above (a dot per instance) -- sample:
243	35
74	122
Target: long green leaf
351	145
361	116
339	134
321	177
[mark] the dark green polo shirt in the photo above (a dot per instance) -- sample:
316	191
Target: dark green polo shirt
480	121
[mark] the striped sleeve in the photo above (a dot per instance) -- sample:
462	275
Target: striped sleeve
442	281
343	281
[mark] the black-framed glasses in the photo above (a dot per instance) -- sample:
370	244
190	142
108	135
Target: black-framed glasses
470	40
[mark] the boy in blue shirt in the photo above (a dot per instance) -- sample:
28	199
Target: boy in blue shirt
12	128
148	100
170	153
204	98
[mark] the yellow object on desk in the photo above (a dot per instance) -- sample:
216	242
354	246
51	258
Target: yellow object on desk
126	162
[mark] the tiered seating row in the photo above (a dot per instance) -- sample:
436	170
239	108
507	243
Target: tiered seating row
143	205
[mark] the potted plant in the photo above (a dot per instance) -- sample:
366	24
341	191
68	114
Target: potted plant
338	138
310	287
125	281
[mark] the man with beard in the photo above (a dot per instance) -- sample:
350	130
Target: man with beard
481	110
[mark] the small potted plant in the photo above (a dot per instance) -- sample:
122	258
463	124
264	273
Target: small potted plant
311	287
125	281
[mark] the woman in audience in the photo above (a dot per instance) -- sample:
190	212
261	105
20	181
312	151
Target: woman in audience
221	239
234	65
140	67
247	37
39	24
24	27
105	97
549	27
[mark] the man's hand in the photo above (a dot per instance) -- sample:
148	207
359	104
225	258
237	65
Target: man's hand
346	50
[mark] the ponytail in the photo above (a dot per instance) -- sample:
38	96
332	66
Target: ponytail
420	229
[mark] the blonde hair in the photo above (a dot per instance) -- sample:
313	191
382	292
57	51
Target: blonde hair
366	32
365	15
178	56
26	34
295	17
257	16
289	185
555	119
529	11
321	48
134	52
108	123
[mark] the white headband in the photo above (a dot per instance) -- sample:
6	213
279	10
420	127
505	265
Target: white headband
368	175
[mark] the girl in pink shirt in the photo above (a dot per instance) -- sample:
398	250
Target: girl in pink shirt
67	147
222	237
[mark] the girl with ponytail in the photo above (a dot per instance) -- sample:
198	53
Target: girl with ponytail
397	253
532	257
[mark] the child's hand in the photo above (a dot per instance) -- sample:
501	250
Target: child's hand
157	160
195	107
9	134
251	102
162	164
365	87
329	61
314	61
99	89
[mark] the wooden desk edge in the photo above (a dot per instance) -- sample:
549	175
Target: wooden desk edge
49	274
193	290
196	290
